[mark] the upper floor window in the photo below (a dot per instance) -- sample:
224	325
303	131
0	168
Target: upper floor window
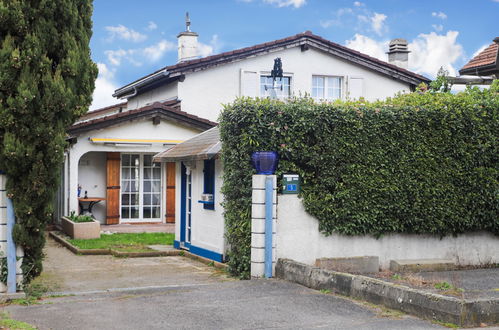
283	86
326	88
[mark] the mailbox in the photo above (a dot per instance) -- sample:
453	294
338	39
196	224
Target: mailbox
290	184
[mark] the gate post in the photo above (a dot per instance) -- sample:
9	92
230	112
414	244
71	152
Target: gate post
263	225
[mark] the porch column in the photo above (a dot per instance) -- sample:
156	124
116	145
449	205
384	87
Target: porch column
258	224
72	193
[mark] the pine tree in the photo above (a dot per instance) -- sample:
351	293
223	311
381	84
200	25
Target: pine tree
46	82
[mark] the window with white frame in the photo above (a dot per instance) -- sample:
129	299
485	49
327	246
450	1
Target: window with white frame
326	88
283	86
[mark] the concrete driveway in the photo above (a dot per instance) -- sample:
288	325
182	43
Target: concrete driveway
256	304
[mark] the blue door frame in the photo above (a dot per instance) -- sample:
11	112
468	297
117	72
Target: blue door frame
183	210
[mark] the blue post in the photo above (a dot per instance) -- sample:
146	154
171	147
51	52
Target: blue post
269	202
11	249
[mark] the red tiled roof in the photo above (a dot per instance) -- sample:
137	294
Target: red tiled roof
100	111
232	55
169	109
486	57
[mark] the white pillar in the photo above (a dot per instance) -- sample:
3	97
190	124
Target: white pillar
258	225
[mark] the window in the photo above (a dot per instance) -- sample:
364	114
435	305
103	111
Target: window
283	86
140	187
209	182
326	88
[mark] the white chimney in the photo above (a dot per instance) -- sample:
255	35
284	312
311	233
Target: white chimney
187	42
398	53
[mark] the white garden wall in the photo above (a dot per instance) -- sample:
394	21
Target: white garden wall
299	239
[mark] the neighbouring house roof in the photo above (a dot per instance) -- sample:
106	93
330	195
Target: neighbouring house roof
103	111
485	63
304	40
170	110
205	145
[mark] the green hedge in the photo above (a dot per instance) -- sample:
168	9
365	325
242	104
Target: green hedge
421	163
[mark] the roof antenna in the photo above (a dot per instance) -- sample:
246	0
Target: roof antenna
187	22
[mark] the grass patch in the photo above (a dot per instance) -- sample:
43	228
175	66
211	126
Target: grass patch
132	241
7	323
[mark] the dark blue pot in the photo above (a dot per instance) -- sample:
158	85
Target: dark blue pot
265	162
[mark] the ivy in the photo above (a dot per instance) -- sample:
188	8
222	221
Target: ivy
419	163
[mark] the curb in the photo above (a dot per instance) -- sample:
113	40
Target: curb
463	312
121	254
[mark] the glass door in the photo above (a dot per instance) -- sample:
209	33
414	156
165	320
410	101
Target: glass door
140	188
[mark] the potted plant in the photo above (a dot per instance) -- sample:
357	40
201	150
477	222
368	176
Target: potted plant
80	226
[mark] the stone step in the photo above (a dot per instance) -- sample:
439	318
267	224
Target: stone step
359	265
421	265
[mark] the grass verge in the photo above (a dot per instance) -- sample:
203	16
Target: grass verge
7	323
132	242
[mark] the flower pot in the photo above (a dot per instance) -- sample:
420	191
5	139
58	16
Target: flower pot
80	230
265	162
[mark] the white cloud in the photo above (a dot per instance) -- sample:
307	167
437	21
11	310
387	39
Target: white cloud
369	46
440	15
428	51
211	48
286	3
360	4
377	23
438	27
136	56
122	32
337	20
431	51
155	52
104	88
152	26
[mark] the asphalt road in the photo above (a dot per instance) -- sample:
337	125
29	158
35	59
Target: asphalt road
257	304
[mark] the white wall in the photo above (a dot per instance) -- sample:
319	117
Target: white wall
143	129
298	238
92	178
208	229
158	94
203	92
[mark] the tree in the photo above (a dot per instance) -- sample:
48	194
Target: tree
46	82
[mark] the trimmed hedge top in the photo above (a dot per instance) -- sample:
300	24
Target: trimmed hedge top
420	163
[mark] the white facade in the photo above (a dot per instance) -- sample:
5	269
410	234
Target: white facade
85	161
299	239
204	92
207	227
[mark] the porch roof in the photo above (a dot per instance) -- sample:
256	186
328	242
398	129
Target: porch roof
206	145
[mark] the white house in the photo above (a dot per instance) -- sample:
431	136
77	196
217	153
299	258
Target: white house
111	149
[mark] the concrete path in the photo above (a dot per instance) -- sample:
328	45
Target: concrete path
256	304
67	272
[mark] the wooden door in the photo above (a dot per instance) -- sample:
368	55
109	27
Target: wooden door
170	192
113	188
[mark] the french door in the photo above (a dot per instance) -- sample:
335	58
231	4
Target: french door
140	188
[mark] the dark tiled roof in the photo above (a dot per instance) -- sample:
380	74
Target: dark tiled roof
305	38
101	111
205	145
486	57
169	109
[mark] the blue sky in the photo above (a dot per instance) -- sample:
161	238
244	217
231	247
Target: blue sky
134	38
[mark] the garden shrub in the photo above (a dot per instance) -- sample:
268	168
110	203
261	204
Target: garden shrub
419	163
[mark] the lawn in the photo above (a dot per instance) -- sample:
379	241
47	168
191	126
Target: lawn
129	242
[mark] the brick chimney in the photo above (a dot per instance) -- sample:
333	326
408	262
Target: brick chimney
187	42
398	53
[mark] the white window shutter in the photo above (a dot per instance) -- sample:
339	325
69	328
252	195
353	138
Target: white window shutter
355	88
249	83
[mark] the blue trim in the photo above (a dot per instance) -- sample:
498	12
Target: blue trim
183	184
206	253
209	182
269	202
2	172
176	244
205	202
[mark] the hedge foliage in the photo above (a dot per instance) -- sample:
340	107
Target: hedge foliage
420	163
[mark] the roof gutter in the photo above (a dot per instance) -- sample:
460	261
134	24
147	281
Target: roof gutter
131	89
